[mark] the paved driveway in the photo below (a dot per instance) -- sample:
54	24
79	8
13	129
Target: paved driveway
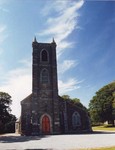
56	142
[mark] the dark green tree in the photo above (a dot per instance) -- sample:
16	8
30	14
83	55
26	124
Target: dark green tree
7	120
74	101
113	106
65	97
102	105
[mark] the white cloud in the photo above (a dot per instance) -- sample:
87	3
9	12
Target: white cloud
18	83
70	85
62	25
55	6
62	46
66	65
59	6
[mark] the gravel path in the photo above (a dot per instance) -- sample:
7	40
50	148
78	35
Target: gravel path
56	142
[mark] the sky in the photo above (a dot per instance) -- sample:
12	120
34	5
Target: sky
85	35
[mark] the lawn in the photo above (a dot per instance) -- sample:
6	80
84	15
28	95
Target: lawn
107	148
103	128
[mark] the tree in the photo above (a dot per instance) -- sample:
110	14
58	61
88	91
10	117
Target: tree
65	97
74	101
7	120
113	105
102	105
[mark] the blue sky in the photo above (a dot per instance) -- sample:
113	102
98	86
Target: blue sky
85	35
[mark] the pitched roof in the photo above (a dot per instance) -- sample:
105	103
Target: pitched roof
27	99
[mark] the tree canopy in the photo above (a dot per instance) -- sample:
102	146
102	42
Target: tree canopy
102	105
7	119
75	101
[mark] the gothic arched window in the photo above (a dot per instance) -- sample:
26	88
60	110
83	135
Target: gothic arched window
44	76
76	120
44	55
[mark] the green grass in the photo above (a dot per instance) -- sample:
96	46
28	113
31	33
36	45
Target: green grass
102	128
104	148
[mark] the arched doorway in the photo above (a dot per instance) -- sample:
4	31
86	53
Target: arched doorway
45	125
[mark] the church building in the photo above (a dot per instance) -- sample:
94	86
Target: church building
44	111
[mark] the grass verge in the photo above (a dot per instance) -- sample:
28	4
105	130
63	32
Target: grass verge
103	148
103	128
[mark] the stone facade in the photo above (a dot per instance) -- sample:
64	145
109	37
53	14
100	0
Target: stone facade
43	111
73	119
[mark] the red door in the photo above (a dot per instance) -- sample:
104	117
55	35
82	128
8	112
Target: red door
46	125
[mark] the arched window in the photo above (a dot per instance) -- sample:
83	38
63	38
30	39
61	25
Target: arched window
44	76
76	120
44	55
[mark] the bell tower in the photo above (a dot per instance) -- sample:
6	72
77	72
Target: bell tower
45	103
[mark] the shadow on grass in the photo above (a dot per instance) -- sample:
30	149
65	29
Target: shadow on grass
103	132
